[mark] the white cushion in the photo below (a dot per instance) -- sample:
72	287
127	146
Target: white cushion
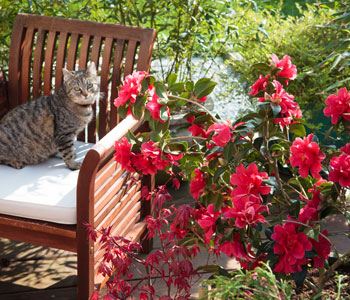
44	192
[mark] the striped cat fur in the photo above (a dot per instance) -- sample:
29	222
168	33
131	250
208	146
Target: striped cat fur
40	128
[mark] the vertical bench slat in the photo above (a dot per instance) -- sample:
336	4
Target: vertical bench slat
26	61
96	49
130	58
106	62
116	80
38	62
84	51
49	55
14	87
72	51
60	59
94	56
145	52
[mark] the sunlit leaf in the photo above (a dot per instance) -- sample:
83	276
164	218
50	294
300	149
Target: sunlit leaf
204	87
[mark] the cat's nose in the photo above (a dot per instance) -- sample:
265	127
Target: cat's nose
84	93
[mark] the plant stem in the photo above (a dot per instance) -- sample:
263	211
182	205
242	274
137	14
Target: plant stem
187	137
316	290
280	184
325	276
195	103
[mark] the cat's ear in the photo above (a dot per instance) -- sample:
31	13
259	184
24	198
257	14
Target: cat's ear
91	68
67	74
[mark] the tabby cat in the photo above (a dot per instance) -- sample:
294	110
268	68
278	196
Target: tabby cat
38	129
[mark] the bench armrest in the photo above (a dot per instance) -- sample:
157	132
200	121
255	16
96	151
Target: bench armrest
99	172
106	145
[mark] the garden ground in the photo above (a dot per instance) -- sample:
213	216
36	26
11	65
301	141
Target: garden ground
29	272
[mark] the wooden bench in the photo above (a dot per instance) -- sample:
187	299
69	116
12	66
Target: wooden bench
40	47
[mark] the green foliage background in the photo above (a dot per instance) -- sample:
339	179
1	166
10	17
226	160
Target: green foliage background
185	28
244	31
301	37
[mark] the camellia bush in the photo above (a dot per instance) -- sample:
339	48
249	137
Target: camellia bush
262	186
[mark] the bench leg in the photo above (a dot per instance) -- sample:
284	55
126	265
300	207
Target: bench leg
86	284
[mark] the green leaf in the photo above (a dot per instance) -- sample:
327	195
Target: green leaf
185	95
209	268
218	172
178	146
269	232
122	111
172	79
298	129
202	119
261	67
161	91
294	209
164	113
177	87
189	86
151	80
204	87
258	142
300	277
139	107
241	154
144	85
213	150
276	109
218	202
228	151
265	247
314	232
336	84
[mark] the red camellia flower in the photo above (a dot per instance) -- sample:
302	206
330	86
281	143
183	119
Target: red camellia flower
291	246
222	133
235	248
346	149
310	211
249	181
198	184
154	107
123	154
246	210
323	249
289	108
288	70
340	170
338	106
197	129
144	164
202	99
130	89
259	85
307	156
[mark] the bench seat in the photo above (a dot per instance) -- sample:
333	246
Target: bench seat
24	192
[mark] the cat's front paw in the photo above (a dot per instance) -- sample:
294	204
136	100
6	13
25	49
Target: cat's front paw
74	165
16	164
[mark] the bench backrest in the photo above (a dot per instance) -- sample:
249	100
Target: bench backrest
41	46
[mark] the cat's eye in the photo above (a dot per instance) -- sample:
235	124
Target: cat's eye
77	89
90	85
